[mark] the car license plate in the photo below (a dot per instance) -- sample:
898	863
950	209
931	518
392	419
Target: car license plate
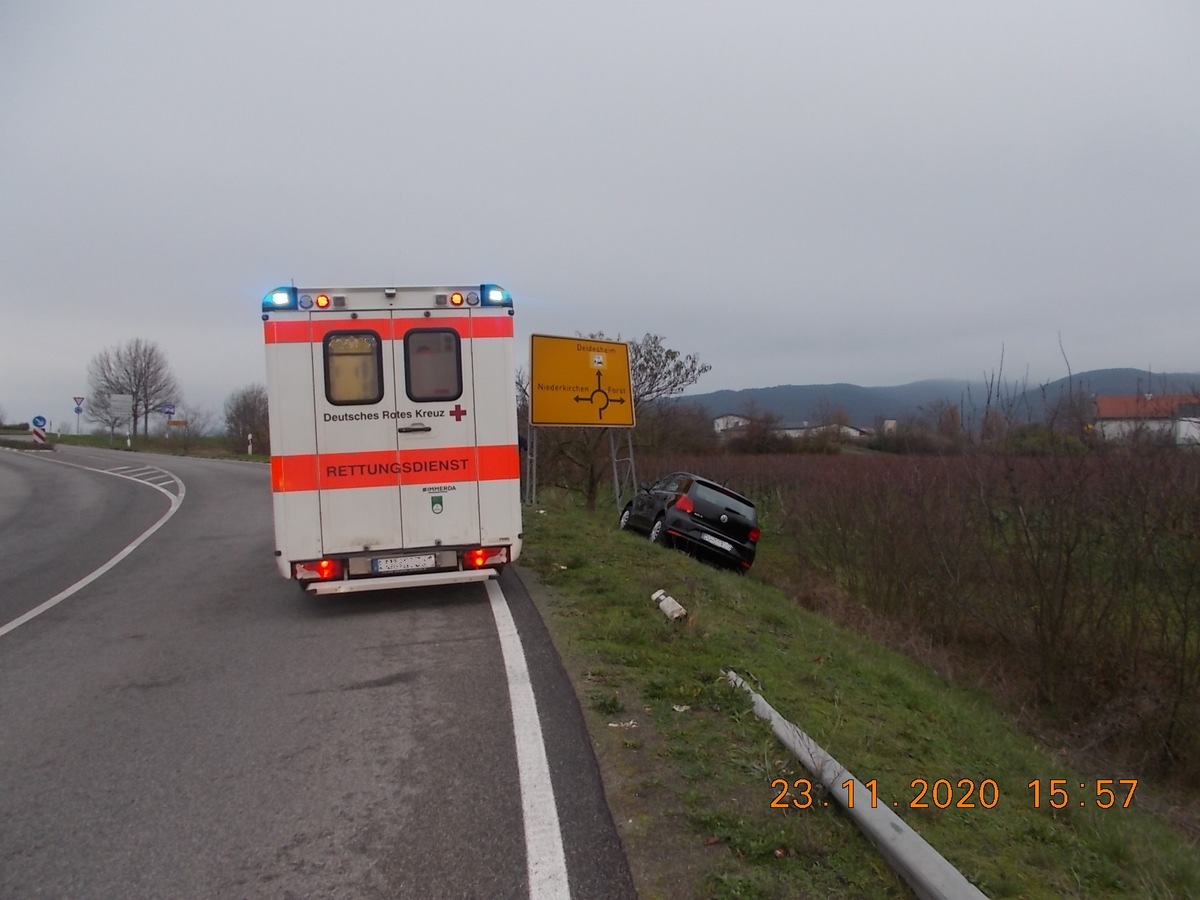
716	541
402	563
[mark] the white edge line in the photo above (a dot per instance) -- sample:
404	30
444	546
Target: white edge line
545	860
58	598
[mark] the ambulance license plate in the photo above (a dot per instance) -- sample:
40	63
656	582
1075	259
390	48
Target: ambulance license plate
402	563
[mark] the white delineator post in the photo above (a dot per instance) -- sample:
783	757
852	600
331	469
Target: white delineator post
669	605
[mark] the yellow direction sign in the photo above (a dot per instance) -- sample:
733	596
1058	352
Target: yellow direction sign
579	381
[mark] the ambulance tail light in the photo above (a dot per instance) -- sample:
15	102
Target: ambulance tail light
494	295
482	557
318	569
281	298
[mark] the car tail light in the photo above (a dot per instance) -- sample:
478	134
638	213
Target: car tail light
321	570
754	535
685	504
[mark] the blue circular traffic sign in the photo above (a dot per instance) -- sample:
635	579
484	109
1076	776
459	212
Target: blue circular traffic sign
78	410
39	421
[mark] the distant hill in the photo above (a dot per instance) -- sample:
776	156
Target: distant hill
795	404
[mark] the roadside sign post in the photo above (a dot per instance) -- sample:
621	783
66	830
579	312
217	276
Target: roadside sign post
121	408
583	382
78	411
38	429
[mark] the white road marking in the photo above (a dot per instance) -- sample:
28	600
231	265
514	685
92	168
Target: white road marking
544	858
176	502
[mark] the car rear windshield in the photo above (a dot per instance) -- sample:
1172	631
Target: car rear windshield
713	494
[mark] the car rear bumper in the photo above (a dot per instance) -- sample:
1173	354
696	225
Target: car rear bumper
739	555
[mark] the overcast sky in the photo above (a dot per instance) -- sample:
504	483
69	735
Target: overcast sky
798	192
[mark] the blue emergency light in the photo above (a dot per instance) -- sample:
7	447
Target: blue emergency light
494	295
281	298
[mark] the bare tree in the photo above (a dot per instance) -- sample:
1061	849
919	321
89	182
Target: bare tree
522	392
761	433
831	414
246	414
197	421
99	410
1	415
658	371
138	368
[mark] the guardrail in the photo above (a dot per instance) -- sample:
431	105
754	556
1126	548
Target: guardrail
925	870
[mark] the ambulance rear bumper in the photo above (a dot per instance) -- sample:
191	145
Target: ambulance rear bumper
391	582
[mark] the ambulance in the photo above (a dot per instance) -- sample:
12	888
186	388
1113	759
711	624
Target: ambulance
394	459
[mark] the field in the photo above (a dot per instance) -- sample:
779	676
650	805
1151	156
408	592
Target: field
215	446
1069	585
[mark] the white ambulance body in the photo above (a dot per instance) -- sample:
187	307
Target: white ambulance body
394	458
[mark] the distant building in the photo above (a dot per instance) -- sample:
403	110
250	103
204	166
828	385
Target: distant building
1173	417
815	431
729	422
1187	423
729	426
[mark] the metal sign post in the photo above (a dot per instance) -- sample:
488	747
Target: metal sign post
121	409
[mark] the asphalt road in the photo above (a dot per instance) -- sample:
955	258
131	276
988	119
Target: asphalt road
189	724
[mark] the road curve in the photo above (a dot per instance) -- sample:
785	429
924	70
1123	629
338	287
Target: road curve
189	724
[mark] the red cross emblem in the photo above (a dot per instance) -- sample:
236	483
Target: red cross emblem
458	412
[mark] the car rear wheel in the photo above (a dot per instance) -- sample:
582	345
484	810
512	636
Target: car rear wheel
656	531
623	522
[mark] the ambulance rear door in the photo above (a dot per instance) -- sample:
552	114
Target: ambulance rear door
436	428
358	466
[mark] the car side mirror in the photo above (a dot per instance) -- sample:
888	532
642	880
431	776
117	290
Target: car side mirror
645	486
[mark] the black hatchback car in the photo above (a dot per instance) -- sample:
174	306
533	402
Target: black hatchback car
697	515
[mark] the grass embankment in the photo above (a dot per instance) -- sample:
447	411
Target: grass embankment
689	769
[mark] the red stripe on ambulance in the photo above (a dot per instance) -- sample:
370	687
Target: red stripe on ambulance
314	472
305	332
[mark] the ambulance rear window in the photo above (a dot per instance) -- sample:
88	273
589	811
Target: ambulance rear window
432	365
353	368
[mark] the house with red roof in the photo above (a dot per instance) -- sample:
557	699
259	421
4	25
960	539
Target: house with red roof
1169	417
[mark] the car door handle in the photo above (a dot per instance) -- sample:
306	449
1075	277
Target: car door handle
411	429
